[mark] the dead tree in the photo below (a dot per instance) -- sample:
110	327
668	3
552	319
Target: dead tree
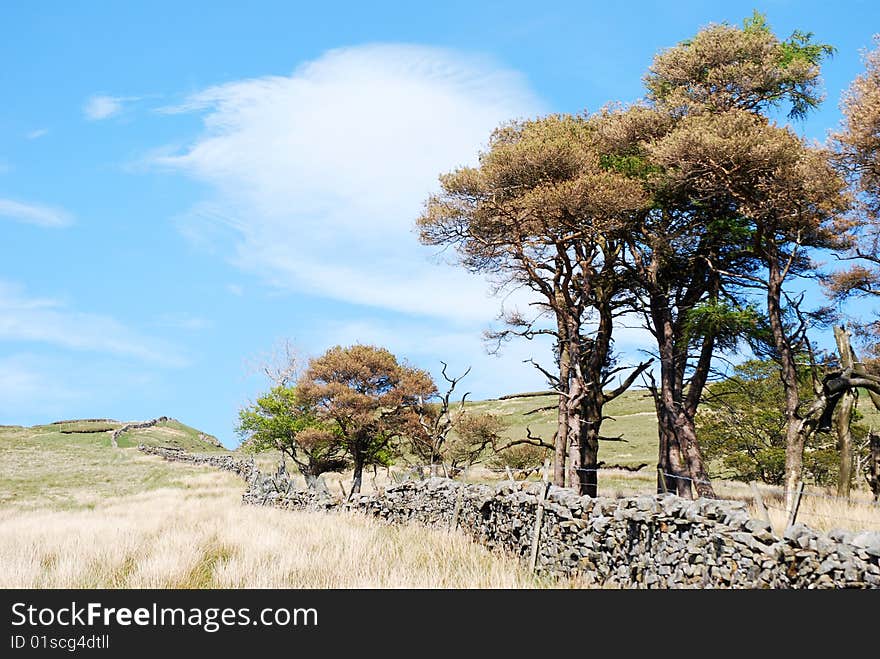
436	422
872	468
843	420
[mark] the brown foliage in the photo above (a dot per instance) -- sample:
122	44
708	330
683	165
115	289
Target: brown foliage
368	394
770	175
857	146
725	67
859	140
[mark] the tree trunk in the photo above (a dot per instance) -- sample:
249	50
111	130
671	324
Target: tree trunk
845	443
794	428
311	478
669	456
844	416
574	433
560	442
679	453
589	449
686	434
358	476
794	462
307	469
590	463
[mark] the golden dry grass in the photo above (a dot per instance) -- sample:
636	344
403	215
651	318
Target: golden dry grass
76	513
819	509
201	537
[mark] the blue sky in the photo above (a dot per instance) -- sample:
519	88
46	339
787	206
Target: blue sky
185	185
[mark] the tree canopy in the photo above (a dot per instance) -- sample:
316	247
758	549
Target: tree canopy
368	395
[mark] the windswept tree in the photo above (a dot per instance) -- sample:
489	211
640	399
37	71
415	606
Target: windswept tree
431	422
751	194
858	141
541	212
673	287
367	394
857	146
282	420
783	199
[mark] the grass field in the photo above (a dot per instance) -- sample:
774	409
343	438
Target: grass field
200	536
75	511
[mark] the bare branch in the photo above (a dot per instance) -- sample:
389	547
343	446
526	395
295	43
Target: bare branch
614	393
546	408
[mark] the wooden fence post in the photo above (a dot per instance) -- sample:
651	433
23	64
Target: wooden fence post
539	519
796	505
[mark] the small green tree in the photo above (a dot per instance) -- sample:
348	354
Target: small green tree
742	424
281	420
522	458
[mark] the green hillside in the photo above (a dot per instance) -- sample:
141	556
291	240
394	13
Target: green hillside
632	417
73	464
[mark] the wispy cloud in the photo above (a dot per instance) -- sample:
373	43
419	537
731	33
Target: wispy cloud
319	176
37	214
37	134
47	321
102	106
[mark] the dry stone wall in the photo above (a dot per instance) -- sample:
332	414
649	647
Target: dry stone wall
244	468
651	541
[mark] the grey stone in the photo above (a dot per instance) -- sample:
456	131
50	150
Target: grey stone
869	541
827	565
756	526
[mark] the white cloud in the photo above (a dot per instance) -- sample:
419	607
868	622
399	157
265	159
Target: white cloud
235	289
319	176
37	134
102	106
37	214
41	320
